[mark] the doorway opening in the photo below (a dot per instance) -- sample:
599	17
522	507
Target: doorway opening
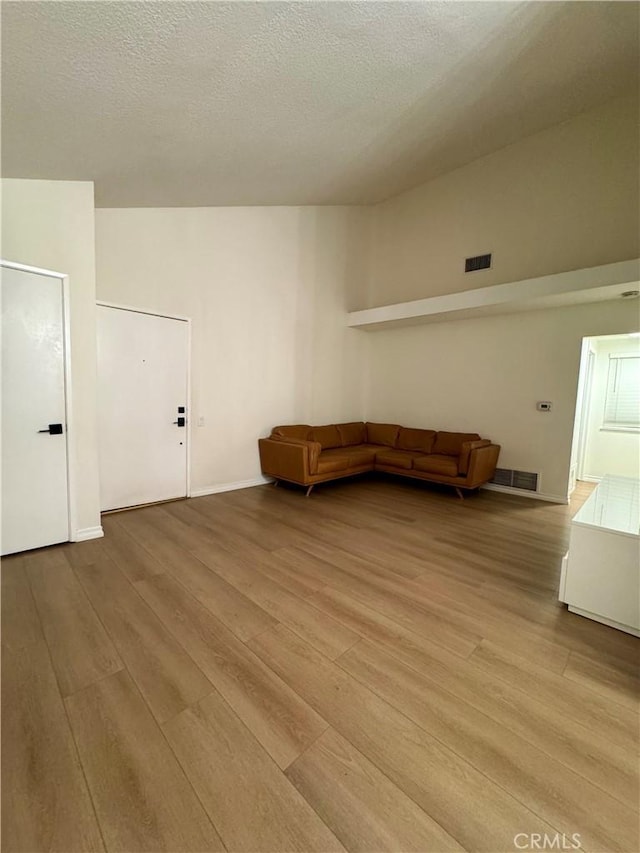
606	436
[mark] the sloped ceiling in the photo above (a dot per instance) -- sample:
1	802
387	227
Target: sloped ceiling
242	103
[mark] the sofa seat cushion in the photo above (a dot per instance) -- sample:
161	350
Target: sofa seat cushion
437	463
352	433
397	458
450	443
361	455
333	460
385	434
327	436
419	440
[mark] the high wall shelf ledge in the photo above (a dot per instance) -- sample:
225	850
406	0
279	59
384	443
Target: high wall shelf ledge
593	284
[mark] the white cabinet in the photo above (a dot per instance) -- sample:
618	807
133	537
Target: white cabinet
601	572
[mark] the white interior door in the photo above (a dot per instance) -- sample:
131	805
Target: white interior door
142	385
35	497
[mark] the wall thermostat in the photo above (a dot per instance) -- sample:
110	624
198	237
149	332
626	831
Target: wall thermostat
543	406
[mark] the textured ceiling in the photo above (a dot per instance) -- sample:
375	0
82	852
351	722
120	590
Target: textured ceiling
229	103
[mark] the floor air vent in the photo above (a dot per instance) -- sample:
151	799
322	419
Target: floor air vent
525	480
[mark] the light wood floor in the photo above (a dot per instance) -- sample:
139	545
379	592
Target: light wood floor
380	667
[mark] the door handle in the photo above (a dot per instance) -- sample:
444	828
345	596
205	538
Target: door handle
180	422
53	429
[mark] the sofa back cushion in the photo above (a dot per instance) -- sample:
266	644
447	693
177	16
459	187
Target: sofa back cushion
385	434
450	443
352	433
418	440
328	436
299	431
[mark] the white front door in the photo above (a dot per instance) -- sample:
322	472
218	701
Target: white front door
142	399
35	498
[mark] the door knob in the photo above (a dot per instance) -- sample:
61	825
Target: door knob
180	422
53	429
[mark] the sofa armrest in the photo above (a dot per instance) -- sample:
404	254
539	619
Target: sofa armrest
289	458
314	448
482	464
465	452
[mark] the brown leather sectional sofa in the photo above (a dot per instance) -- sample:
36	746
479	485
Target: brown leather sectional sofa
308	455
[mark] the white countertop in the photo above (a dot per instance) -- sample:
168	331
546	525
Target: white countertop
613	505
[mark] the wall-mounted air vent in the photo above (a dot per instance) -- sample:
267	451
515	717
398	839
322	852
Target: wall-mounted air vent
525	480
480	262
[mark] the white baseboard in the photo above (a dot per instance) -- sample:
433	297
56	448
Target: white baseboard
88	533
524	493
230	487
589	479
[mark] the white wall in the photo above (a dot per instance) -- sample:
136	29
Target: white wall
565	198
267	290
485	375
50	224
608	451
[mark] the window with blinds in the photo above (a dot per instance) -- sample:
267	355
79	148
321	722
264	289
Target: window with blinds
622	401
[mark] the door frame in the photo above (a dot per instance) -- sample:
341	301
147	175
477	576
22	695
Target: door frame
583	428
118	306
68	406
